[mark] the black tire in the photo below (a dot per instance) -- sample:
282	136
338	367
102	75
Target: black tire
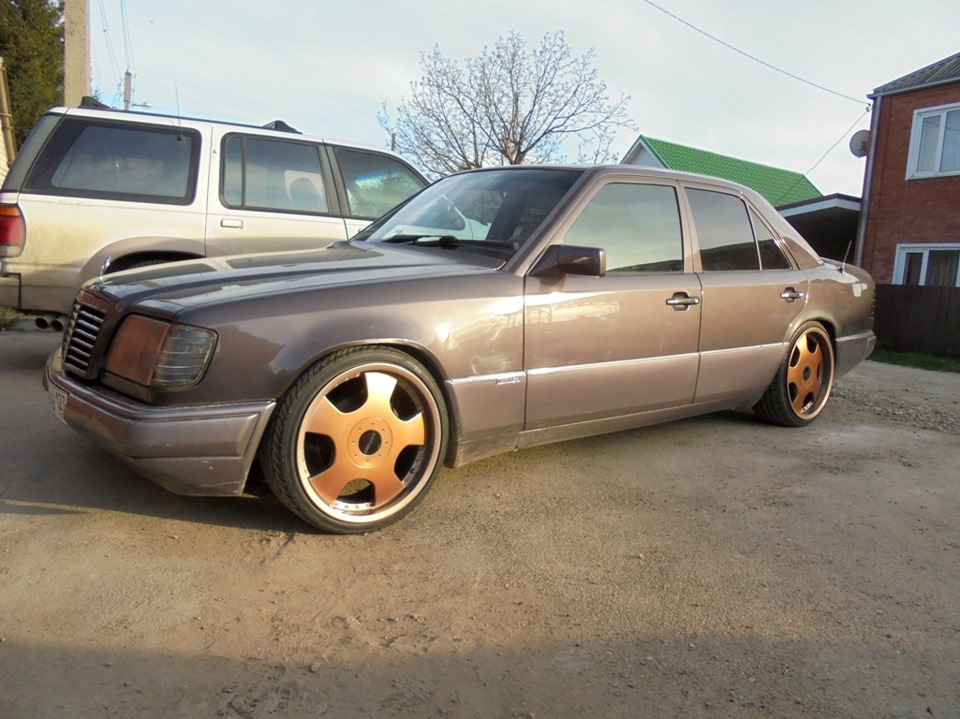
803	384
357	441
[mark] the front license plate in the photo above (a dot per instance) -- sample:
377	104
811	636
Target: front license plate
58	402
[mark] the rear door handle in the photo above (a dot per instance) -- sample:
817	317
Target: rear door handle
231	223
790	295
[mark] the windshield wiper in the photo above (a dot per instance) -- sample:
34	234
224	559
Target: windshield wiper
449	242
404	239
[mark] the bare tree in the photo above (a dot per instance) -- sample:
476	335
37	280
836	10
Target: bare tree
508	106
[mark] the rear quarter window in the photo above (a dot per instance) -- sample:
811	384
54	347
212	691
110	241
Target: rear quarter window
28	153
117	161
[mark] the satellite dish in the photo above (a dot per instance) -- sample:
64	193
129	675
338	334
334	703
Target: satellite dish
860	143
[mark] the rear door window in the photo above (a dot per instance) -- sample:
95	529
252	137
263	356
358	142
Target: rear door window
723	231
266	174
117	161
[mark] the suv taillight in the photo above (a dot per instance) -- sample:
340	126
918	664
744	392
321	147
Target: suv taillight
11	231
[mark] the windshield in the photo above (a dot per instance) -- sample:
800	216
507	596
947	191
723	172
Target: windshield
491	211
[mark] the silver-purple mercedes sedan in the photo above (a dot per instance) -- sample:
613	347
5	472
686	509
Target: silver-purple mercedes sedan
497	309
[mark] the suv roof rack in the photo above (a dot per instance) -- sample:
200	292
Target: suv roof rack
281	126
90	101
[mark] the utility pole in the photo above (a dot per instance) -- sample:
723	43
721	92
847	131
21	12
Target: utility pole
8	148
76	51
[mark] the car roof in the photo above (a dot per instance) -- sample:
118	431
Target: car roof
275	128
802	251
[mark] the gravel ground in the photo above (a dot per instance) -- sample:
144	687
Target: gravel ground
716	567
923	399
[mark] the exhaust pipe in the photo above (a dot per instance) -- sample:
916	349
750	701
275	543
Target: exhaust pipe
49	322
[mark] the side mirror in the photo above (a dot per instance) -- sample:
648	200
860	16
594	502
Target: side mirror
561	260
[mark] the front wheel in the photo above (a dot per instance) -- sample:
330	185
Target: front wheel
357	441
802	386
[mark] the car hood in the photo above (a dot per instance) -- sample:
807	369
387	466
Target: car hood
180	285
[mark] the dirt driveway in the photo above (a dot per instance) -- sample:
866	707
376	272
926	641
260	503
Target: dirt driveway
717	567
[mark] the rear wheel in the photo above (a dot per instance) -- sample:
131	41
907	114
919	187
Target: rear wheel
804	381
358	440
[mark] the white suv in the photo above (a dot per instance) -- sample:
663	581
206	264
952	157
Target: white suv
97	190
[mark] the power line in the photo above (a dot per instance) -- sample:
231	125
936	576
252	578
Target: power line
823	157
830	149
109	41
127	40
751	57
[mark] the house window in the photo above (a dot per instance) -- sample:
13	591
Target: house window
935	142
932	265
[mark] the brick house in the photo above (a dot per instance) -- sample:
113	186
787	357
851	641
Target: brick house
910	220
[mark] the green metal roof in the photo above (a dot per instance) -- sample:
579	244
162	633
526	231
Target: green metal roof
780	187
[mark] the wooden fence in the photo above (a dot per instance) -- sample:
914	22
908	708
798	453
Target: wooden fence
918	319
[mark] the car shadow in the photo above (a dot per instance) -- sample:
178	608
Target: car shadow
47	469
94	480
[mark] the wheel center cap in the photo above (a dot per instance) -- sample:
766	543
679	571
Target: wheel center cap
370	442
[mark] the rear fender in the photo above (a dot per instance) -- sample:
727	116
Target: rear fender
100	262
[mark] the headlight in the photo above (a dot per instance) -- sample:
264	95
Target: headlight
160	355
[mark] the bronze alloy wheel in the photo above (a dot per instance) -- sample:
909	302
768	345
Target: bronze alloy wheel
804	381
358	441
808	379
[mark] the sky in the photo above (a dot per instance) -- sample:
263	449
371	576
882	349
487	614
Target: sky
328	68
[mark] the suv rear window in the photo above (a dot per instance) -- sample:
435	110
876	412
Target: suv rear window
117	161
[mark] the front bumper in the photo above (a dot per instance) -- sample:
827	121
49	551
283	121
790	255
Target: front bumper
200	450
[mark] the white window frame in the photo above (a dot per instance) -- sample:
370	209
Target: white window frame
900	261
913	159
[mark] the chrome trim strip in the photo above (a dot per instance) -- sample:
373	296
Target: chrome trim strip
598	365
750	348
514	377
507	378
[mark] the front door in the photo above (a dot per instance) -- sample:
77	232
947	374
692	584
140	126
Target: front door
625	343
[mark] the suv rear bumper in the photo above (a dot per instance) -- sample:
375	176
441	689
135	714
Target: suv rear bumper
199	450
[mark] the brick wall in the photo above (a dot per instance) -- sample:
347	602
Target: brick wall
901	210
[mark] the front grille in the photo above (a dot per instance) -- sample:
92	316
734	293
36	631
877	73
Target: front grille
80	339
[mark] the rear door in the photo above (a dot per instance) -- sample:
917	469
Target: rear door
270	194
751	295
